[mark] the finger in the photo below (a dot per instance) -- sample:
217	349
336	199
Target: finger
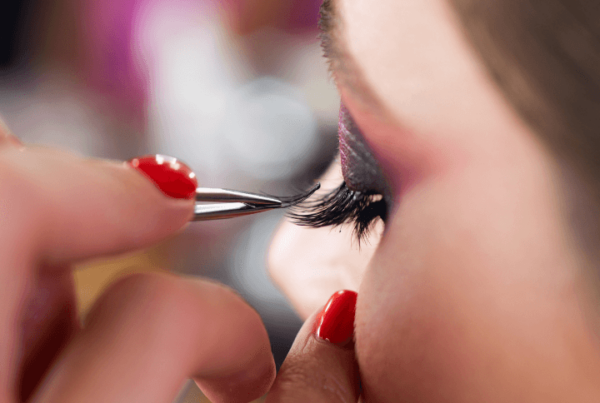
48	320
61	207
321	366
150	332
55	208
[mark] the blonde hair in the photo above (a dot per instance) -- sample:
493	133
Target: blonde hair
544	55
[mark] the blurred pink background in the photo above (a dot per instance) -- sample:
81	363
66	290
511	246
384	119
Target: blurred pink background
237	89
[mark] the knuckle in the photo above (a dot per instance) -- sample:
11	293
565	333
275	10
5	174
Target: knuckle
296	376
309	377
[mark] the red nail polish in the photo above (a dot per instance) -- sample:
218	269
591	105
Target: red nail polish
336	322
172	177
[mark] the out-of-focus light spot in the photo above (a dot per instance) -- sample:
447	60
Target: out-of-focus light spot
250	274
269	129
190	72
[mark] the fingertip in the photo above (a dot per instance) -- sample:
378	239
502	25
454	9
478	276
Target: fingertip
153	214
103	207
73	208
321	365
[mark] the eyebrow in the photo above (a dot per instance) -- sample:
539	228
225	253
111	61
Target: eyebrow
342	65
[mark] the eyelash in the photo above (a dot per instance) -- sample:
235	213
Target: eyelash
342	206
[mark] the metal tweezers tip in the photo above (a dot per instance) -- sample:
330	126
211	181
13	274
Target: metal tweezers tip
233	203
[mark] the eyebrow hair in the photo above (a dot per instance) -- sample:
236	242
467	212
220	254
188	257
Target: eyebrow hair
342	66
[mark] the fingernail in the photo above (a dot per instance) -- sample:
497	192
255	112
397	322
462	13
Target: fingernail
172	177
336	321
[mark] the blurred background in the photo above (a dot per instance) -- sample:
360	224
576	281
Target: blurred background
237	89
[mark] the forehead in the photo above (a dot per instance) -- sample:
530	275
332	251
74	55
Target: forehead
414	58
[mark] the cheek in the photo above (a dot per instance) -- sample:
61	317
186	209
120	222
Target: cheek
465	301
410	327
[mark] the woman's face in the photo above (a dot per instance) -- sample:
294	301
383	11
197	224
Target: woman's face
474	291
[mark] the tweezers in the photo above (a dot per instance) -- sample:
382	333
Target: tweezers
224	203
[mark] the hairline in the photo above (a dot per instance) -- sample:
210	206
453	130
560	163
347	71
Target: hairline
342	65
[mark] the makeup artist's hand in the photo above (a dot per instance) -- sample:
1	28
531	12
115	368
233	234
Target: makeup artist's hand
148	332
321	366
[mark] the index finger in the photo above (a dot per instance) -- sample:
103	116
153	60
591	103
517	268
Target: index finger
57	207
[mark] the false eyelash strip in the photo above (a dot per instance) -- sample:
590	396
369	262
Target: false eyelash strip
292	201
341	206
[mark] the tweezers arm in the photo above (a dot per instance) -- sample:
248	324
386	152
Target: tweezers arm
218	211
230	196
233	203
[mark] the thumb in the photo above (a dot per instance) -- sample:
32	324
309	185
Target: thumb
321	365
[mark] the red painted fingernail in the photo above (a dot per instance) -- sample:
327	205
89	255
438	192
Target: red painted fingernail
172	177
336	321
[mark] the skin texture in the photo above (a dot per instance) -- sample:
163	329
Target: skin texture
316	371
308	279
477	290
147	333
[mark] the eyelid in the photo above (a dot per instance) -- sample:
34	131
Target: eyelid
361	170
